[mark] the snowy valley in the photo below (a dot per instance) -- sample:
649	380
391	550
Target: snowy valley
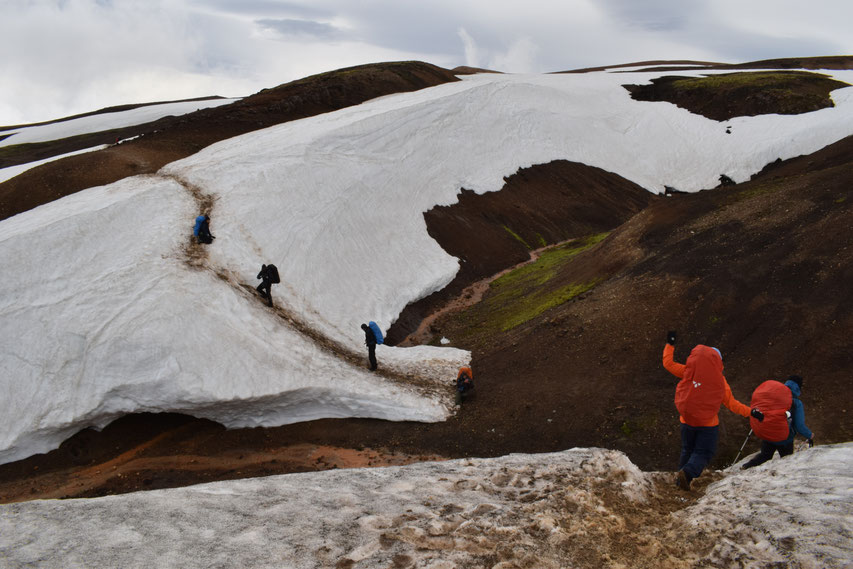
109	308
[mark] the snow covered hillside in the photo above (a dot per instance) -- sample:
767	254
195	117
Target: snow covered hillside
577	508
93	123
107	309
104	121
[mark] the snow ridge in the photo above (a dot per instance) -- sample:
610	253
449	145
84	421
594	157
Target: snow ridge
577	508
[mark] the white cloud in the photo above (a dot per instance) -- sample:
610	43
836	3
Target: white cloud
77	55
519	57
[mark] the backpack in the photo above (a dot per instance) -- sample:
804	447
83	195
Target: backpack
774	400
376	332
465	379
272	274
701	390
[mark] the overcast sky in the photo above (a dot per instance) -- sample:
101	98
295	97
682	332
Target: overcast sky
61	57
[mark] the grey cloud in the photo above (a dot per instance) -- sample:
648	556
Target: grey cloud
263	8
738	47
302	28
652	15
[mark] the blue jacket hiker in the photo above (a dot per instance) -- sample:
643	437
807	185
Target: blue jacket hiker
797	426
201	230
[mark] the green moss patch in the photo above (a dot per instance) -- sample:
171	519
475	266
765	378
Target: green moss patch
517	237
524	293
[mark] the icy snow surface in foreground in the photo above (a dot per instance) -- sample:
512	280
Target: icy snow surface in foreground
102	313
577	508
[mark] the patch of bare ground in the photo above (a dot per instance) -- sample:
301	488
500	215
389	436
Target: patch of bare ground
724	96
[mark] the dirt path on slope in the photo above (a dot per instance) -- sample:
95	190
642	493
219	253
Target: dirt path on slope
135	469
470	295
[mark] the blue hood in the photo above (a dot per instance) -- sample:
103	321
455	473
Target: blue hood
795	389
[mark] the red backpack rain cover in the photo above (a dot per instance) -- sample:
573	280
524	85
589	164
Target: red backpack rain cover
773	399
701	390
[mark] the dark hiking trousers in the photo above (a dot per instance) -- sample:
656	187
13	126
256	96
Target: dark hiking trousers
371	355
265	289
767	449
698	446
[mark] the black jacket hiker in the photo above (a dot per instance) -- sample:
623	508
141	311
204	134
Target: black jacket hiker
370	342
269	276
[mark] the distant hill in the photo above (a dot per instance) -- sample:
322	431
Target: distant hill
173	138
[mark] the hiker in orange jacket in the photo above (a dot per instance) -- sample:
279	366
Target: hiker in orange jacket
700	391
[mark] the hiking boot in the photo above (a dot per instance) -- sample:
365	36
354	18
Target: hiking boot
682	481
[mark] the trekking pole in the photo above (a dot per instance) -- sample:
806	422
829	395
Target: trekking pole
741	447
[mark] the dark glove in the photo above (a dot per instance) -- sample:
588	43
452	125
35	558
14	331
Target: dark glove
811	442
757	414
670	337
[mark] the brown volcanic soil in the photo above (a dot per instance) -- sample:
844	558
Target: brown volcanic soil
537	206
761	270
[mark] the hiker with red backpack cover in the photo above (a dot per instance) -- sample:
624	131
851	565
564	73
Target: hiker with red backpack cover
700	392
772	401
464	383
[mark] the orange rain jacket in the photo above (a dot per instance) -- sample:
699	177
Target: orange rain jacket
702	388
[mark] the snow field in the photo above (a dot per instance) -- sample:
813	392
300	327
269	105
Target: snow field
579	507
125	325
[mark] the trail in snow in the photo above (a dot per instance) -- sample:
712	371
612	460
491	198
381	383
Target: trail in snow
197	257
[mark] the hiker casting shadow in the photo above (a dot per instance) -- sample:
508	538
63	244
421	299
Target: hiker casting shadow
700	391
